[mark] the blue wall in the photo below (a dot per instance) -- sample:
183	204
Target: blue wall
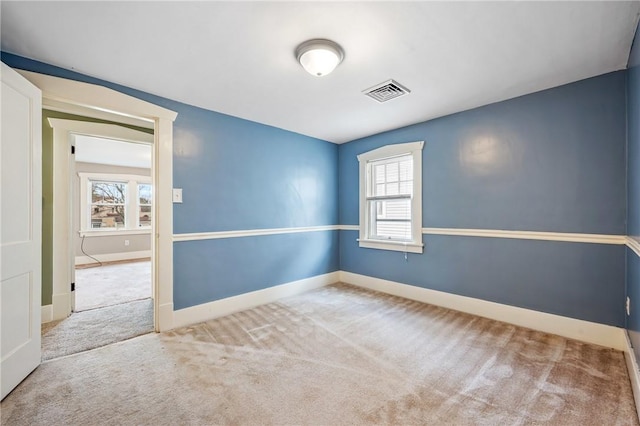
551	161
633	190
238	175
249	263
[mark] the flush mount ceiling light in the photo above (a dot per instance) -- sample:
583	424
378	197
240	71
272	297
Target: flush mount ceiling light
319	56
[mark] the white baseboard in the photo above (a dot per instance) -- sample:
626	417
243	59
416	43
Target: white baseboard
164	317
112	257
634	373
61	306
585	331
220	308
46	314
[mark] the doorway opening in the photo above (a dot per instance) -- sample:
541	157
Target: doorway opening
96	101
112	220
109	194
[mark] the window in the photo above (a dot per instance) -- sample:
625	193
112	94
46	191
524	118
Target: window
391	198
144	205
107	204
112	203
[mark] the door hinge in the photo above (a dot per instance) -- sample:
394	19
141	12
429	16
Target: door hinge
73	286
73	149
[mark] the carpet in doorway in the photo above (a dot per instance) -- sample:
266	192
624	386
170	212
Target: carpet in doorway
112	284
97	327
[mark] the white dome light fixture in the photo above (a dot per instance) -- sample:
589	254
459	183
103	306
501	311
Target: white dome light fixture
319	56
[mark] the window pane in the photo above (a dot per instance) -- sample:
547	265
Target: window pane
406	169
107	216
144	216
396	209
406	188
144	193
392	188
392	172
392	219
393	176
378	171
108	192
393	230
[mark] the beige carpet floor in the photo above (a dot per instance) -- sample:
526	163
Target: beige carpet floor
112	284
96	327
333	356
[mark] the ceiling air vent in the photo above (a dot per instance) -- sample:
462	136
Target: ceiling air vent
386	91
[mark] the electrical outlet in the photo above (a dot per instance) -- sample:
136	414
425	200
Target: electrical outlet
628	306
126	242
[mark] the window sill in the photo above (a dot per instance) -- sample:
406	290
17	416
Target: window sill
114	233
392	245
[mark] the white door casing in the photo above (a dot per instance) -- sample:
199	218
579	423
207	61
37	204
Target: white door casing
101	102
21	229
62	272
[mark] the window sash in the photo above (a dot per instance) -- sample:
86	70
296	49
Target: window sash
383	174
375	221
104	212
385	180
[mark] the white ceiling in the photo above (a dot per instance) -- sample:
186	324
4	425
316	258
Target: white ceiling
90	149
238	57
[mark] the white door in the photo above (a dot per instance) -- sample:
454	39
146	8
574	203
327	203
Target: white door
20	232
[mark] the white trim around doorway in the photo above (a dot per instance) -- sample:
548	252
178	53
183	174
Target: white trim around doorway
101	100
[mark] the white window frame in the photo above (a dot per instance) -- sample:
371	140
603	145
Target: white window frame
131	204
414	245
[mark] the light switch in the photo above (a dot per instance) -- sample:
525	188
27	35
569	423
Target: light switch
177	195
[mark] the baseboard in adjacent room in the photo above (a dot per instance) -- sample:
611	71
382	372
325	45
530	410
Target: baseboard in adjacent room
230	305
585	331
113	257
634	373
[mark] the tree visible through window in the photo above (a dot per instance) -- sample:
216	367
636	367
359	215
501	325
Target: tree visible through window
115	202
108	200
144	205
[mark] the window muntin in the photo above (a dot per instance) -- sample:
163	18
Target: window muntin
391	197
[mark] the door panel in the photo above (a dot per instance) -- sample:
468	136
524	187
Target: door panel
16	158
20	231
15	331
